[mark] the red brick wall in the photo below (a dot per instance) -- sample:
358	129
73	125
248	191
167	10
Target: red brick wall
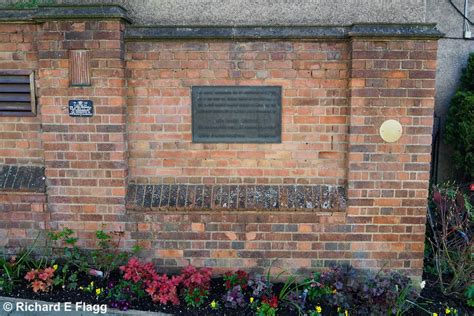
23	218
22	214
384	225
388	183
85	158
335	96
20	141
293	241
313	76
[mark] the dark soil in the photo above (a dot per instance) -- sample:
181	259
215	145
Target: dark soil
431	300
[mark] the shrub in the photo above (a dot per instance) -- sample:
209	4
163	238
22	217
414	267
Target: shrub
450	219
107	256
366	293
99	262
469	294
467	78
460	123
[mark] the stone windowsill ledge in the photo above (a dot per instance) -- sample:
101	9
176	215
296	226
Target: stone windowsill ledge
28	179
314	198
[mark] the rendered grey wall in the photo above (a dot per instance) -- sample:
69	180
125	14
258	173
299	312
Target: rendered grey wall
275	12
452	52
452	57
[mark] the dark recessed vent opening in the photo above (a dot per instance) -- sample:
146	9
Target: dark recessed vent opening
17	96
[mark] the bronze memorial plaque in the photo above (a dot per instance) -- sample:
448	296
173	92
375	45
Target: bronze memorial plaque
236	114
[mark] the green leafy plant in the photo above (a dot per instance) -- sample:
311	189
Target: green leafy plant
469	294
196	297
460	123
467	82
314	289
65	277
268	306
13	269
233	279
124	293
99	262
108	257
74	260
196	283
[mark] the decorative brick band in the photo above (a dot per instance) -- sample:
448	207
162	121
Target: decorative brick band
22	178
248	197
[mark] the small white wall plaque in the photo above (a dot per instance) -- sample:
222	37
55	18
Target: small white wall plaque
391	131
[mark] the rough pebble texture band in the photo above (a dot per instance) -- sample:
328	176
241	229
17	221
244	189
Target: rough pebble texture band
249	197
22	178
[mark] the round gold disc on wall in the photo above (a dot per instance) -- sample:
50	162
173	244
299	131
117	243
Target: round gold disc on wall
391	131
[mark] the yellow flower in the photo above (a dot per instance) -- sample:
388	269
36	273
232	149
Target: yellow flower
251	300
334	291
346	313
435	314
92	283
447	311
81	288
213	304
338	309
98	291
319	309
55	267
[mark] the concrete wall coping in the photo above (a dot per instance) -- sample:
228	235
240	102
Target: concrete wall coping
283	32
62	12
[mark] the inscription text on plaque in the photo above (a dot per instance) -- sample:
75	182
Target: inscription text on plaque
236	114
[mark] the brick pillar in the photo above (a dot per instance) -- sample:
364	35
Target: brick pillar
85	158
388	182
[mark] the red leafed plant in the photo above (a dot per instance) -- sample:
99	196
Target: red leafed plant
164	289
196	284
233	279
194	278
41	280
161	288
272	302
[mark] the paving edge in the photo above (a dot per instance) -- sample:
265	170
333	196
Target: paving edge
110	311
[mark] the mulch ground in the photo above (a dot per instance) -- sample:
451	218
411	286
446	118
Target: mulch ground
431	299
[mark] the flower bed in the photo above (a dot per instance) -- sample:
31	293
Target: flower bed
122	281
